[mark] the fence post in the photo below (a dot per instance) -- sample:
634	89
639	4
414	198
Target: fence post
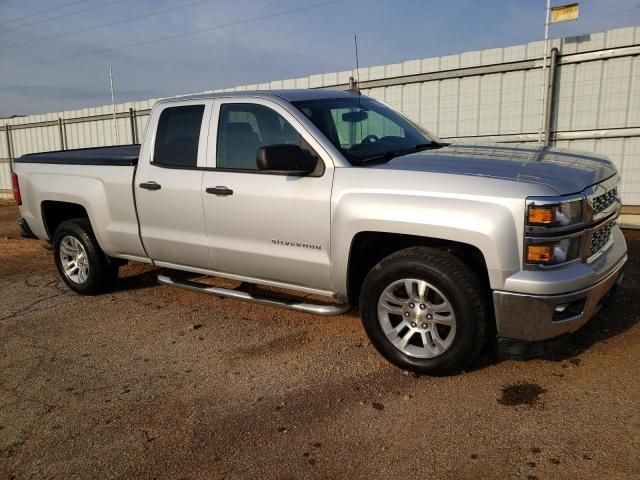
7	130
132	121
551	89
61	131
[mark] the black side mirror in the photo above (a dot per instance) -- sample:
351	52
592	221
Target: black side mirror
286	158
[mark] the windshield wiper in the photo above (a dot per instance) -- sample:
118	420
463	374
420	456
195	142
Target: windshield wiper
386	156
431	145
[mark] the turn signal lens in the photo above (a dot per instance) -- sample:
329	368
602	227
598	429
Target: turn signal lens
542	215
553	253
539	253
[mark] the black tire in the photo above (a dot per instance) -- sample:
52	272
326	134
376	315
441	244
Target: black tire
458	284
103	272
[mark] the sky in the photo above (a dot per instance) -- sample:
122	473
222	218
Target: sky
55	54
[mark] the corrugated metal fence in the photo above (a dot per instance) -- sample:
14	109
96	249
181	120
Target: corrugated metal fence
487	95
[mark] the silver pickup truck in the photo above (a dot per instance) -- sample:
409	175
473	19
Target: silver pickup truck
336	194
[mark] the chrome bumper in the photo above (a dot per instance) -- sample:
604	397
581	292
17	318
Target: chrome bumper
532	318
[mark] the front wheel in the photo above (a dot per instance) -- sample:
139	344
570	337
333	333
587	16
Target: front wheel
424	310
80	261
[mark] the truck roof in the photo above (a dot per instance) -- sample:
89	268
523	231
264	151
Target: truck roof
291	95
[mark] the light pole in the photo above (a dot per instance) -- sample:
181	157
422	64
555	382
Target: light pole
544	80
113	106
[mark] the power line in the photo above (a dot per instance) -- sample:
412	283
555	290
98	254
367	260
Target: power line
124	20
343	32
62	16
178	35
43	11
117	22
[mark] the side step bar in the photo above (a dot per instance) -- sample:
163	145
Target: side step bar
317	309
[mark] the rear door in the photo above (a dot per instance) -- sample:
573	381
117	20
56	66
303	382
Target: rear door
265	225
168	185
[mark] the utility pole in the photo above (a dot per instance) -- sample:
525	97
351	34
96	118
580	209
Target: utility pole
113	106
544	80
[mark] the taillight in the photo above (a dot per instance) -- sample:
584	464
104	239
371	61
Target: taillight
16	189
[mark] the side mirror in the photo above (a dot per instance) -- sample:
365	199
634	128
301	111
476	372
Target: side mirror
286	158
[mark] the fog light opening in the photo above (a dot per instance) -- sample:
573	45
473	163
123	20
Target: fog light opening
565	311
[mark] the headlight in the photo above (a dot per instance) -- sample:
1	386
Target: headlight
552	252
557	215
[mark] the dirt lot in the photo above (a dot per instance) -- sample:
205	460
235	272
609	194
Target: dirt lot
154	382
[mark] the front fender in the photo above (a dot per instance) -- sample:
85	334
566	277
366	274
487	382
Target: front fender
487	226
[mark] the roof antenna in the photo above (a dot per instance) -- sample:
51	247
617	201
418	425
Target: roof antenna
353	83
354	87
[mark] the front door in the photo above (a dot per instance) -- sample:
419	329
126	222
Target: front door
265	225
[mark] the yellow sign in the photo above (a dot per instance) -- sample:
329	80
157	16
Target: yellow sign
563	13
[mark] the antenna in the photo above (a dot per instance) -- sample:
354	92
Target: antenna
356	89
355	41
353	84
113	106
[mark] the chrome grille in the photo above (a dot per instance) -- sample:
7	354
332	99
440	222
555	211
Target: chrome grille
600	238
602	202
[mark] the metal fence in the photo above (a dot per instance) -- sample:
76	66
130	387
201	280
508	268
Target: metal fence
489	95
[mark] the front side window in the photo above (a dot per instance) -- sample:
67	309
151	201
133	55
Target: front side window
362	128
178	135
244	127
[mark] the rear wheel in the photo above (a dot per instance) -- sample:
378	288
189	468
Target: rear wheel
80	261
423	310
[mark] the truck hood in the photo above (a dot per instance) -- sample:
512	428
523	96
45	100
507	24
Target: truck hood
566	171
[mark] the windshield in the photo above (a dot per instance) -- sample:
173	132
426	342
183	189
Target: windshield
363	128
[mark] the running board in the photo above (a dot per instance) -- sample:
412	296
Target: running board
316	309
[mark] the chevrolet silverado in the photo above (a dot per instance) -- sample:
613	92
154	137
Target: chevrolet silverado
335	194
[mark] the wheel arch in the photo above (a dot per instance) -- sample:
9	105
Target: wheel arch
370	247
54	212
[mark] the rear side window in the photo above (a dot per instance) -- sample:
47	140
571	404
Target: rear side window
178	135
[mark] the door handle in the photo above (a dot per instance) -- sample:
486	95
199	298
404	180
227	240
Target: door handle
150	186
219	191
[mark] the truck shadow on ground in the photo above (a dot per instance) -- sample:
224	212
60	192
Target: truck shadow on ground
137	278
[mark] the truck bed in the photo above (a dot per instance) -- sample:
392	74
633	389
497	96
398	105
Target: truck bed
121	155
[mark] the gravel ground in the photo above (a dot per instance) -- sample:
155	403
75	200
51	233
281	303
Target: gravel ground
155	382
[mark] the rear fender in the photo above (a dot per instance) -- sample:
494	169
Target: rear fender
108	201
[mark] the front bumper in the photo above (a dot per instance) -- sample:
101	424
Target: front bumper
533	318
